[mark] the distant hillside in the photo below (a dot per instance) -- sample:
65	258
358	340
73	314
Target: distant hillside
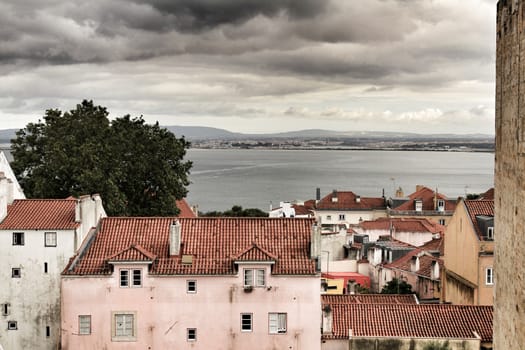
208	133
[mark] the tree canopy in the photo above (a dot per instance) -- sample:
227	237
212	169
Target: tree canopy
396	286
237	211
137	168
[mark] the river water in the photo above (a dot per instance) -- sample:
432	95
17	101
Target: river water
258	178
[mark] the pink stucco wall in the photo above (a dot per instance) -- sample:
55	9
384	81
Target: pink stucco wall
165	310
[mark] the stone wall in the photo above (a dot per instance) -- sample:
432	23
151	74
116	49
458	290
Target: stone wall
509	317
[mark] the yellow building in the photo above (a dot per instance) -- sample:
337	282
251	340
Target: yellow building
469	254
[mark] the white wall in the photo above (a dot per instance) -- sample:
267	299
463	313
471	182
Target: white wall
35	297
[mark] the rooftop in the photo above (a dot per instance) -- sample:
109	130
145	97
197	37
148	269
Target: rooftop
214	244
347	200
411	321
403	225
428	198
478	207
40	214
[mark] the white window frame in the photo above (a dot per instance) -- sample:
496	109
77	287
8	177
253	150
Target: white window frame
328	217
12	325
84	324
191	334
489	276
124	326
18	238
50	239
254	278
191	286
490	232
277	322
342	217
418	205
130	278
441	205
246	320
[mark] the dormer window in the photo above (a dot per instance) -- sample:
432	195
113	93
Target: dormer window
130	278
419	205
440	205
254	278
490	233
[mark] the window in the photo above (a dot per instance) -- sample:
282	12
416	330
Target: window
328	217
441	205
341	216
254	278
489	276
48	331
246	322
50	239
191	334
18	238
16	272
45	267
277	323
419	205
490	233
442	222
124	326
84	324
12	325
191	286
136	276
5	309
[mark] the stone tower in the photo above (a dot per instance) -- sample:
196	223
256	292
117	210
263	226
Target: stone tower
509	316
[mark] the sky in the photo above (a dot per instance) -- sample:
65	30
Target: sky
425	66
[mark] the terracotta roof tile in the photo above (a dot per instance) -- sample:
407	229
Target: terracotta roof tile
479	207
403	225
347	200
40	214
185	209
212	242
328	299
488	195
132	253
255	253
414	321
427	196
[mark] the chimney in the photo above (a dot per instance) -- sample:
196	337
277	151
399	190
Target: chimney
399	193
318	194
315	242
434	272
327	319
175	238
78	211
419	188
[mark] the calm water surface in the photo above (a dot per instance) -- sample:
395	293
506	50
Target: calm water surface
256	178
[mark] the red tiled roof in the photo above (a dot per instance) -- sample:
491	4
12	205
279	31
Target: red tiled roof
488	195
369	299
479	207
425	263
411	321
40	214
427	196
132	253
213	243
185	210
403	225
255	253
301	210
347	200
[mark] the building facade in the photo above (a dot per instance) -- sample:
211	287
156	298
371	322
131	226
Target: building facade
509	318
201	283
37	238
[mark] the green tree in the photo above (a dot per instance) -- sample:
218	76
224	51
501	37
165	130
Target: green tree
397	287
237	211
137	168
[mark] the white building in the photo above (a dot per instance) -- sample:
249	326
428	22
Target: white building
37	239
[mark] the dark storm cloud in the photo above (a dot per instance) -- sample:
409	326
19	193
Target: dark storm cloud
197	15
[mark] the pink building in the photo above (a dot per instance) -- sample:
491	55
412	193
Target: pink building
199	283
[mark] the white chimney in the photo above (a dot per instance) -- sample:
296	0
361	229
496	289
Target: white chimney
414	264
327	319
315	242
5	195
78	211
175	238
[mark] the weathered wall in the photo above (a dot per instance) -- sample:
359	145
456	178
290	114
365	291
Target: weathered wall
357	343
509	316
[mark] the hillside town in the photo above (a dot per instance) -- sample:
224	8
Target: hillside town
328	273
